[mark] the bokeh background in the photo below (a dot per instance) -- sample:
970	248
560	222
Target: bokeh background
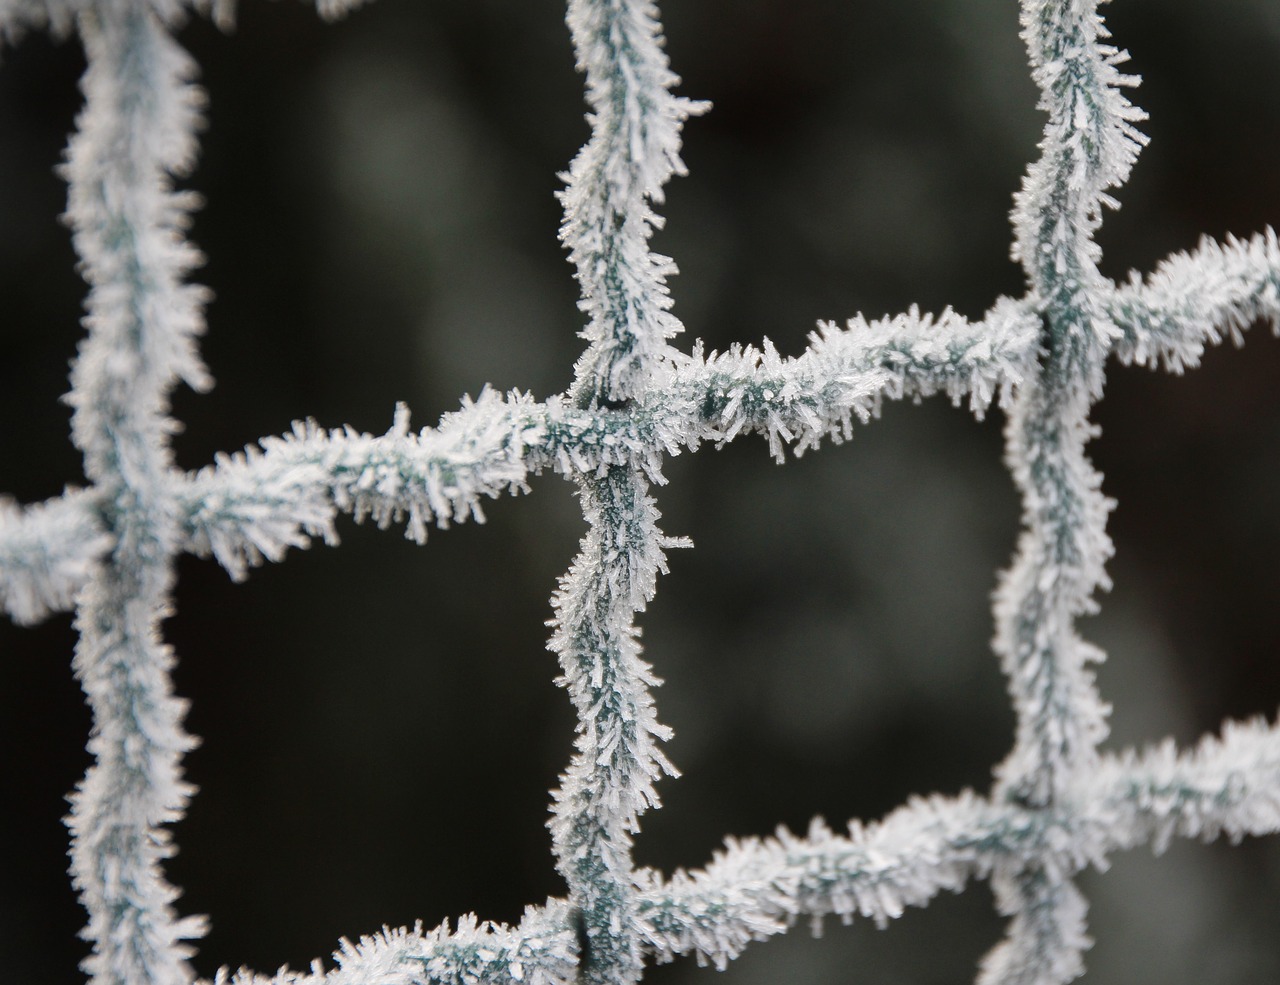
380	725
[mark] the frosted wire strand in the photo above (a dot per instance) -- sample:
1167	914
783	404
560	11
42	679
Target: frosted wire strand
1197	299
758	887
1089	146
240	509
633	150
48	552
254	505
133	133
542	950
610	780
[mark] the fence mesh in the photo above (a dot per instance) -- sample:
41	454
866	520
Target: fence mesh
1058	804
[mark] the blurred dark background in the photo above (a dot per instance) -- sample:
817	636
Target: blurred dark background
379	722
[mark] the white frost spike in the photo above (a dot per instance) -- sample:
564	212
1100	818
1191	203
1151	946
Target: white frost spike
633	150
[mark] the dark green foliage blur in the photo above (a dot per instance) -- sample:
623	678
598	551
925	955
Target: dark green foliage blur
380	726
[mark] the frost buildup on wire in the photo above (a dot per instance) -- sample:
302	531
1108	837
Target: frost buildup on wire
617	760
1058	805
633	150
1089	146
1196	299
848	373
47	554
134	133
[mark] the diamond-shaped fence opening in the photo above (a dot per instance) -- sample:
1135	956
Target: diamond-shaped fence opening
1039	824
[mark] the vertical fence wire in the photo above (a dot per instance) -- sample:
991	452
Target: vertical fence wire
134	134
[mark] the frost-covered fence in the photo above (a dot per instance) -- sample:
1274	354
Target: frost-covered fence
1057	805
